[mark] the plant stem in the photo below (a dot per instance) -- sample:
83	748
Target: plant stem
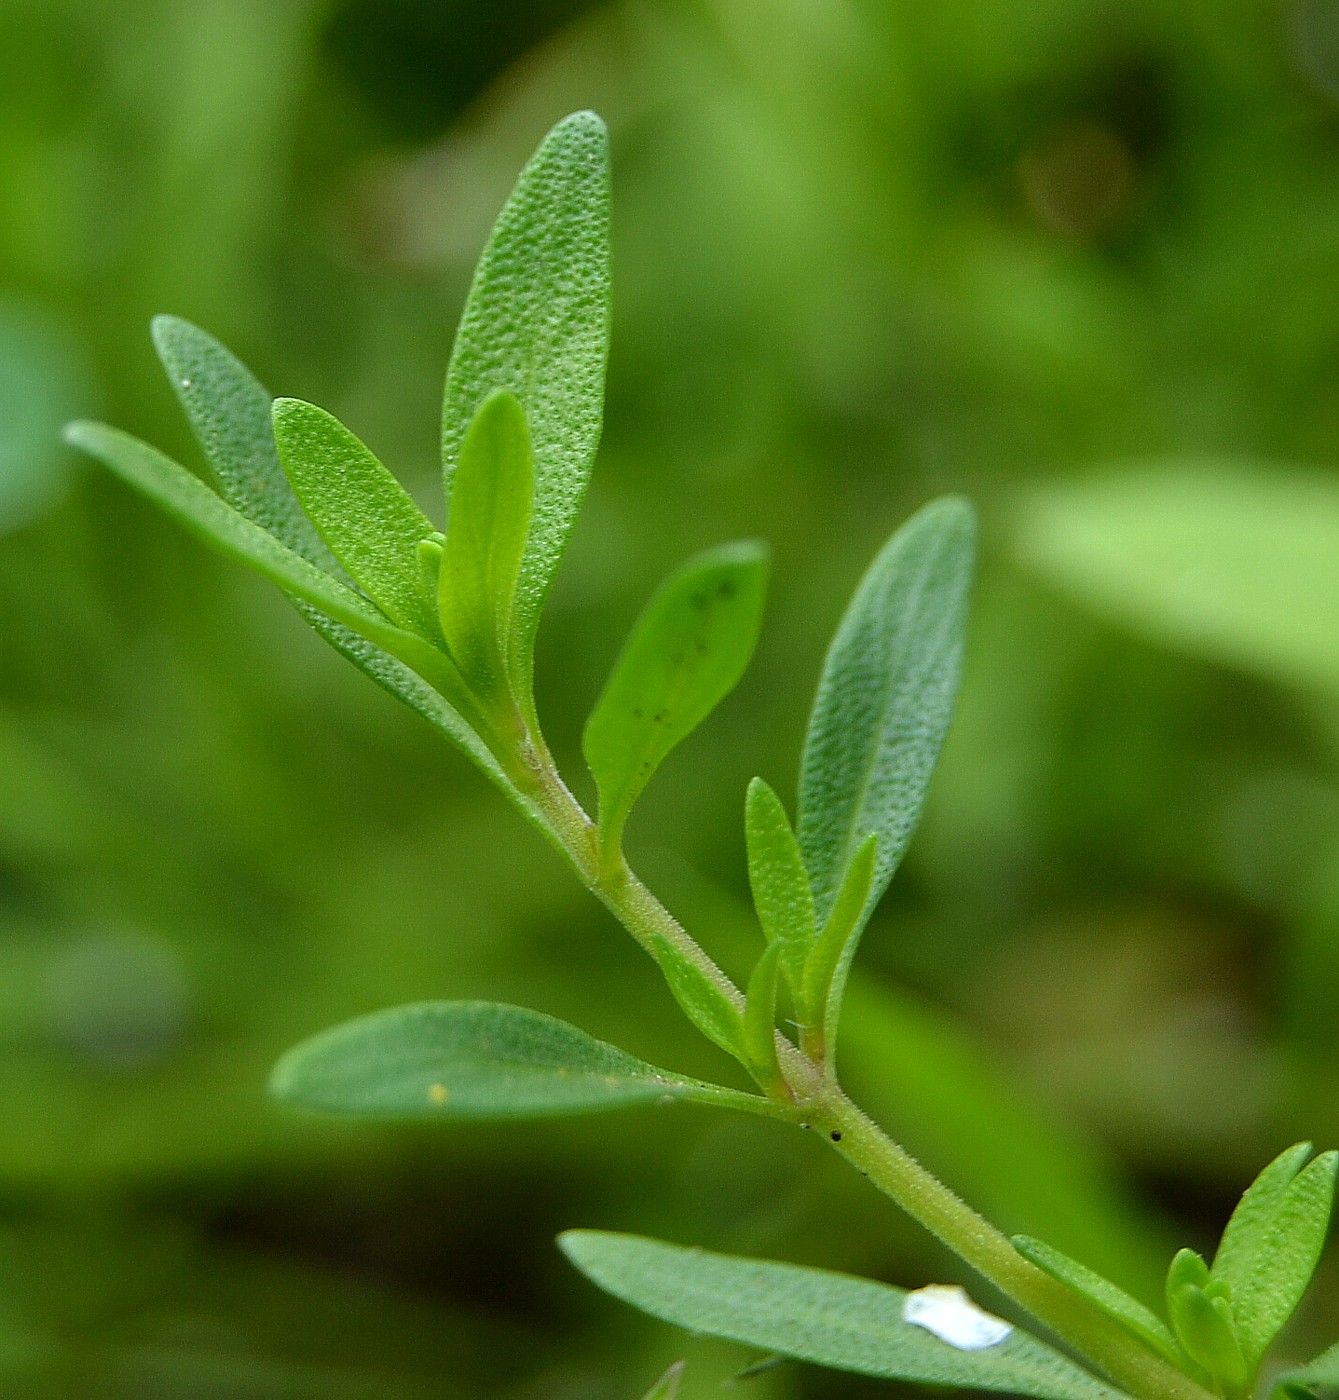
820	1103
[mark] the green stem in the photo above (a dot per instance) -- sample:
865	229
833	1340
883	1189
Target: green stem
822	1105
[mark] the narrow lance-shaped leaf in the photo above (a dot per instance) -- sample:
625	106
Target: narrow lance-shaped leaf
1321	1374
780	884
667	1387
702	1001
537	322
1288	1252
187	499
485	538
365	516
850	1324
1115	1302
686	653
1239	1249
230	412
829	962
472	1060
759	1028
885	699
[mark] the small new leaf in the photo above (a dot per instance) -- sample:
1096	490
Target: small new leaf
1204	1326
885	699
1301	1382
1115	1302
780	885
829	962
485	538
849	1324
686	653
471	1060
703	1002
536	322
759	1030
359	509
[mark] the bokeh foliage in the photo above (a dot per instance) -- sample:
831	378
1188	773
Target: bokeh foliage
863	254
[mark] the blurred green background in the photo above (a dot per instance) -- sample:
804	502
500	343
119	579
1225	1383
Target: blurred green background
1078	260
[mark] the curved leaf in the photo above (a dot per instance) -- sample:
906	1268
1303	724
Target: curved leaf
850	1324
537	322
885	699
701	1000
686	653
471	1060
1243	1239
779	881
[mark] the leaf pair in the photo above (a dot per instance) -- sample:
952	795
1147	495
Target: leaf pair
309	506
1223	1318
849	1324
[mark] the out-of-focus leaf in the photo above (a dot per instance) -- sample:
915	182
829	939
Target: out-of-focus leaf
850	1324
231	414
485	539
359	509
686	653
885	699
188	500
667	1387
1320	1374
1115	1302
537	323
1235	562
1288	1250
780	884
470	1059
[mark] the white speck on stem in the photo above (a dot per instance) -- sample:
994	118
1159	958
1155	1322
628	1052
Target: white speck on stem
950	1314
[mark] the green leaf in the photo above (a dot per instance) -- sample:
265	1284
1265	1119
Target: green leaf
667	1387
1320	1374
829	962
472	1060
703	1002
779	882
1114	1301
850	1324
1240	1248
230	412
1205	1327
359	509
759	1028
686	653
885	698
537	322
1234	561
1287	1253
485	538
187	499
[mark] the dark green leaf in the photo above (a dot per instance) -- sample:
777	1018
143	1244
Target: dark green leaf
830	1319
1115	1302
359	509
470	1059
686	653
703	1002
759	1030
485	538
825	972
1320	1374
537	323
1286	1256
780	884
885	700
230	411
187	499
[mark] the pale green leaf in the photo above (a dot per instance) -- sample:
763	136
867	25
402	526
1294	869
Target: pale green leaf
702	1001
780	884
1114	1301
885	699
850	1324
359	509
230	412
485	538
188	500
1289	1250
1234	561
537	322
759	1026
829	961
667	1387
1243	1240
471	1059
686	653
1320	1374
